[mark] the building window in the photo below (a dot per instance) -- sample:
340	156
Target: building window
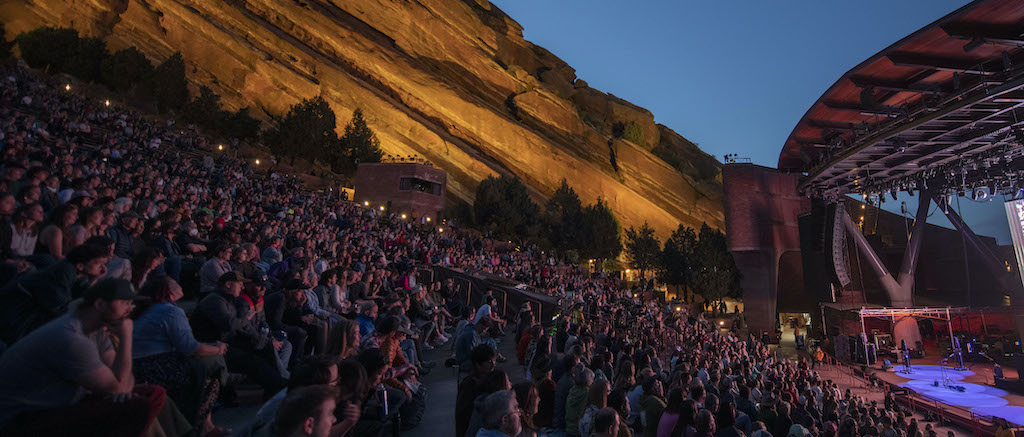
421	185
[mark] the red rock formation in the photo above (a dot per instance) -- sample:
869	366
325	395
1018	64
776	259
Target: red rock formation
452	81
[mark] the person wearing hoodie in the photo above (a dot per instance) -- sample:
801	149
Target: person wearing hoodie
653	404
577	401
483	358
494	382
562	388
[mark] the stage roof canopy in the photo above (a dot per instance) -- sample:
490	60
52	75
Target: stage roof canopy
941	107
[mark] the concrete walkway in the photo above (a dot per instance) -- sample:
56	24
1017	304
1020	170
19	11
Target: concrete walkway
442	384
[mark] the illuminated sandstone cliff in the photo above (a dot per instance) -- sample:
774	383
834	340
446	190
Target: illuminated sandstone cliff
450	80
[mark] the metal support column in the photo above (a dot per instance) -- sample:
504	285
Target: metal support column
900	290
991	260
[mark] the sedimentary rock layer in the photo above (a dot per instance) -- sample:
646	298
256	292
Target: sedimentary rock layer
449	80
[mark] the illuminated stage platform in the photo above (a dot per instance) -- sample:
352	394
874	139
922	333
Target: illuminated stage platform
979	397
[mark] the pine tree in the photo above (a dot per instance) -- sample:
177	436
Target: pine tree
89	55
642	248
125	68
562	218
205	109
168	85
5	45
600	232
48	48
307	131
715	275
677	258
359	143
504	207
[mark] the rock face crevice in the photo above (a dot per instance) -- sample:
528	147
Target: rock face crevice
450	80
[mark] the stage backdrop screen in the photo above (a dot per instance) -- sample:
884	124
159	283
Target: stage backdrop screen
1015	215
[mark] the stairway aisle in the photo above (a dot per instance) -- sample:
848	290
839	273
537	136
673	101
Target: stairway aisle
442	386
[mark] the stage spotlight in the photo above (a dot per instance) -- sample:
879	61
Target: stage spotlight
893	193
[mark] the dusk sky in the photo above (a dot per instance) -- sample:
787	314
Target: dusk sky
734	77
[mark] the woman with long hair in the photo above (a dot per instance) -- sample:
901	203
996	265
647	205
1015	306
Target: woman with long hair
163	350
343	340
625	375
54	238
529	403
685	426
90	220
597	398
673	410
144	263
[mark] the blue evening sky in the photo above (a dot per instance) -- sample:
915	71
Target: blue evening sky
732	76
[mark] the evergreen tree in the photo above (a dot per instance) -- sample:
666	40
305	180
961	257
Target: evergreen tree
5	45
642	248
205	109
48	48
677	258
562	218
307	131
359	143
715	276
88	56
600	232
504	207
241	125
125	68
167	85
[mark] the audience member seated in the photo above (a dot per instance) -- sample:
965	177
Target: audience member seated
166	354
68	377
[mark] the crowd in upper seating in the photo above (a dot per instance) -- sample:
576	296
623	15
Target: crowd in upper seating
110	219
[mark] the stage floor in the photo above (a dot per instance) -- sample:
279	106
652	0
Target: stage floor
980	396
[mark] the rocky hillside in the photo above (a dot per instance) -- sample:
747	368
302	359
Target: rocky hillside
450	80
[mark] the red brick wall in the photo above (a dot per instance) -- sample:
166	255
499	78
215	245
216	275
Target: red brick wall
378	183
761	211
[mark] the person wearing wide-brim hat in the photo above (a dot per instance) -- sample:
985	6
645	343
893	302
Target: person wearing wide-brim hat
391	333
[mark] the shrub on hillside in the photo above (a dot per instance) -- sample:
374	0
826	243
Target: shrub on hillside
167	86
88	56
5	45
48	48
307	131
125	68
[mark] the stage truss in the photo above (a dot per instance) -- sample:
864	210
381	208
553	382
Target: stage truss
937	313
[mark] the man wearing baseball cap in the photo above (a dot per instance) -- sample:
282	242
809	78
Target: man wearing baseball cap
67	376
219	319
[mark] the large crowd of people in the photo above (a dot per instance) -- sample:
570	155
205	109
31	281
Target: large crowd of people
112	219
